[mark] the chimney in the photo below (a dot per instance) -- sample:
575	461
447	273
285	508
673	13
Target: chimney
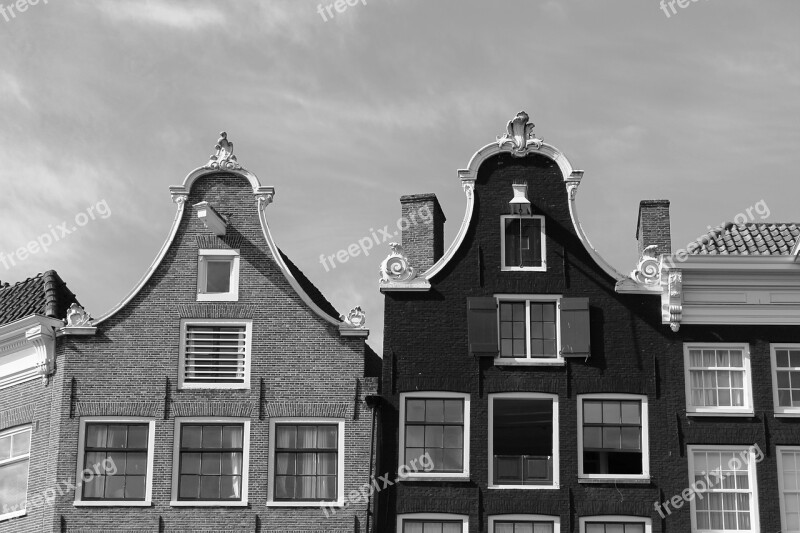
423	229
653	226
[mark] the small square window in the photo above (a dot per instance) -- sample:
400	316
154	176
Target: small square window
786	378
522	242
218	275
718	379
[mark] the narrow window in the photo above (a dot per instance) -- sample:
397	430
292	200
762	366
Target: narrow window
211	460
523	242
786	378
789	485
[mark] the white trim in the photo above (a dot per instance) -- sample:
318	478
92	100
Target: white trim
248	327
17	459
151	432
747	409
645	475
558	360
753	483
433	517
340	467
401	451
27	349
782	497
202	280
779	410
648	523
176	450
555	445
572	178
556	520
543	242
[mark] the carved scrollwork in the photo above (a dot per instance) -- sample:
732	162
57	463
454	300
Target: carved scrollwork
675	287
469	188
396	267
264	199
648	270
356	318
180	199
519	135
223	158
77	317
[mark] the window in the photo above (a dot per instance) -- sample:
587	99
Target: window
215	354
432	523
524	524
523	440
728	503
613	437
528	329
615	524
306	462
718	379
218	276
436	424
210	460
523	242
786	378
115	461
15	458
789	487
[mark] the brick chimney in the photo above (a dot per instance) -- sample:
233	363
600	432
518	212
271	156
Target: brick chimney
653	226
422	228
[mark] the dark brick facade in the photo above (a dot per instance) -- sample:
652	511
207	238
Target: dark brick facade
426	349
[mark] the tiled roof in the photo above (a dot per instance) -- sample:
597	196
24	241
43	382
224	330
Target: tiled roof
309	288
755	238
45	294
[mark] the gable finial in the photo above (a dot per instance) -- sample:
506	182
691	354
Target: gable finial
519	132
223	159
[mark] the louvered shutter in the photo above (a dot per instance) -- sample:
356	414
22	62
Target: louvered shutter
482	326
575	327
215	354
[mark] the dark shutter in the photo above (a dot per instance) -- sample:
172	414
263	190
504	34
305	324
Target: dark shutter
482	326
575	327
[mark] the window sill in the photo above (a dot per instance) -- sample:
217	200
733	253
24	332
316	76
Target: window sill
226	297
175	503
529	362
523	269
524	487
787	414
116	503
316	504
214	386
459	479
748	413
15	514
615	480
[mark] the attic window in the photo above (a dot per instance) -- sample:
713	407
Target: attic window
218	276
523	242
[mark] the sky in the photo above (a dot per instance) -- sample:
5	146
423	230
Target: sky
106	103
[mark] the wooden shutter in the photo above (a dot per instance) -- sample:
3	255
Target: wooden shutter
575	327
482	326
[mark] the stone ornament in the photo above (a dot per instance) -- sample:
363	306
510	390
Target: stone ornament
77	317
356	318
223	159
675	286
519	134
396	267
648	271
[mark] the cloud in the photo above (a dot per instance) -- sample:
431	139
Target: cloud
183	17
11	90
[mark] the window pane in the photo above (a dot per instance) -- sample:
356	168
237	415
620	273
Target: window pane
232	437
212	436
13	484
453	411
5	447
218	275
20	443
137	436
135	487
592	412
191	436
117	436
434	411
415	410
96	435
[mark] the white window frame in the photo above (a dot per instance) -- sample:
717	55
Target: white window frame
176	453
525	517
773	348
531	361
645	475
401	459
233	294
648	523
340	467
248	325
433	517
525	396
781	489
752	481
747	408
14	431
151	431
503	266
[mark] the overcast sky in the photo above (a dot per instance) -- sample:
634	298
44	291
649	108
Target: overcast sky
111	102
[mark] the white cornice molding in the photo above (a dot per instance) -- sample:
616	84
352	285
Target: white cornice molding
33	340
